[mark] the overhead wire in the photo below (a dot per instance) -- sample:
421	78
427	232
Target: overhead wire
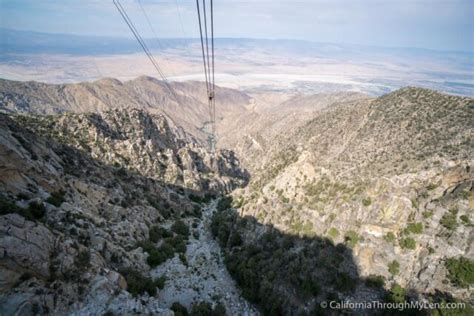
213	69
208	57
143	45
209	65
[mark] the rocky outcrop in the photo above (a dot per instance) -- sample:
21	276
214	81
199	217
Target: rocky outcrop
144	143
79	197
390	178
25	249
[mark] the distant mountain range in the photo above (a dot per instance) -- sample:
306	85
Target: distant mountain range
15	41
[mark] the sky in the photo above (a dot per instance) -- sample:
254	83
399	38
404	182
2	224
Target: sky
433	24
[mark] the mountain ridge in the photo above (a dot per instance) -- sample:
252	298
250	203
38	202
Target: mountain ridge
350	198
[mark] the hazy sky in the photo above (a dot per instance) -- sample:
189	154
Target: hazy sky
435	24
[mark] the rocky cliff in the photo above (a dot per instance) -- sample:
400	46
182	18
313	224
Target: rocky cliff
109	203
91	204
389	179
187	110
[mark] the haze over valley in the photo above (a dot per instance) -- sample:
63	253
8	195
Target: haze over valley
246	64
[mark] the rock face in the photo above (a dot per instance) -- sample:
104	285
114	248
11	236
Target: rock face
390	178
26	248
188	111
144	143
82	199
106	208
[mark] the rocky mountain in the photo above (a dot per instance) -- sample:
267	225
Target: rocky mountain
110	204
383	187
191	113
91	204
254	133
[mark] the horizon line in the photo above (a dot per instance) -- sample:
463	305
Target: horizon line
2	29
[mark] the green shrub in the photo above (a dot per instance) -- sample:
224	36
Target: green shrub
465	219
220	228
351	238
460	271
235	239
224	203
202	309
82	260
394	267
427	214
195	198
389	237
35	210
56	198
137	284
179	310
407	243
183	259
333	233
414	228
180	228
22	196
158	256
344	283
156	233
146	245
397	294
155	258
160	282
375	281
310	287
366	201
449	220
178	243
205	309
7	206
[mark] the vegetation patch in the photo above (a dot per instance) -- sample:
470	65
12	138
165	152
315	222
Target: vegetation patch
56	198
351	238
449	220
224	203
397	294
394	267
137	284
181	228
275	264
333	233
206	309
407	243
157	233
179	310
366	201
34	211
389	237
460	271
414	228
375	281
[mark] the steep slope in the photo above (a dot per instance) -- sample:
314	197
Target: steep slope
254	134
144	143
92	204
390	179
